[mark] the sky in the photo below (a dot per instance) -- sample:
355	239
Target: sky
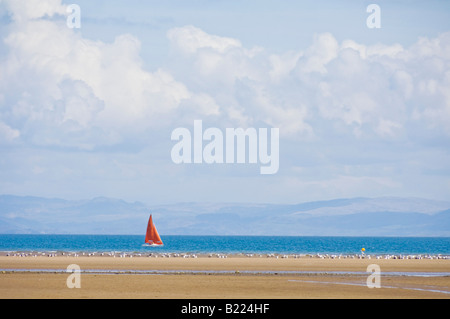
89	111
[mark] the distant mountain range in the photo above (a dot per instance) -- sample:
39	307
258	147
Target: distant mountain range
385	216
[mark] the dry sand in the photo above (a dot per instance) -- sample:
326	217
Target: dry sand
224	278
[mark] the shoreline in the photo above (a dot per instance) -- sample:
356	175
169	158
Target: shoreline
223	262
131	254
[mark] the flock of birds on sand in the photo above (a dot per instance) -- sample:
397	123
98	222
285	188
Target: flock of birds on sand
218	255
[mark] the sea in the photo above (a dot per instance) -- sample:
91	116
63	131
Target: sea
229	244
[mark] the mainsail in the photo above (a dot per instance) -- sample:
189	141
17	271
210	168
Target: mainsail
152	236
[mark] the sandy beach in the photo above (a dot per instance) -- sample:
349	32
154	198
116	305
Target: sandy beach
222	278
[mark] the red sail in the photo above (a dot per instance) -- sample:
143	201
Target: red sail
152	236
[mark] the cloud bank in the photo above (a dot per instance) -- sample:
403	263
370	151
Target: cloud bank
59	89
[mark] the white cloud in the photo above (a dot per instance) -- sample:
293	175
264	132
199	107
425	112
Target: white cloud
190	39
33	9
7	134
323	50
373	90
94	93
239	79
282	65
62	89
387	128
381	86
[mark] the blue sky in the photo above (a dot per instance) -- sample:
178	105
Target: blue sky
89	112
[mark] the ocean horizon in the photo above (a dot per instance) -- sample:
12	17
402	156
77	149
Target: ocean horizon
339	245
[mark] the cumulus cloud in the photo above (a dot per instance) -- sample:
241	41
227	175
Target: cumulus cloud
190	39
62	89
59	88
7	134
23	10
376	90
323	50
244	82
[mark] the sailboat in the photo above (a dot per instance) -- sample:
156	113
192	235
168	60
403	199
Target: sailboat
152	237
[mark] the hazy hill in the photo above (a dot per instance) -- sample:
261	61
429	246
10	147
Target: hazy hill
387	216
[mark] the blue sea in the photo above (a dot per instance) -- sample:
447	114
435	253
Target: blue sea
228	244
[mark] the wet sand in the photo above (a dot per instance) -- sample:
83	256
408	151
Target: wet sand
222	278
